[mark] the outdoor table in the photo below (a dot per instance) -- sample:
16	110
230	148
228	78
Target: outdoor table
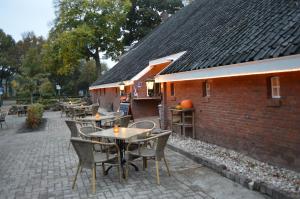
22	109
97	120
124	134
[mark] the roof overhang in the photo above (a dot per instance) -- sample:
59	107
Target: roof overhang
275	65
110	85
152	64
158	61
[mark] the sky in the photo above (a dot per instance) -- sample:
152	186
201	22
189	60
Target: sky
19	16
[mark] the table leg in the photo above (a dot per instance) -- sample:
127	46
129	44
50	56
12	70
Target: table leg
122	146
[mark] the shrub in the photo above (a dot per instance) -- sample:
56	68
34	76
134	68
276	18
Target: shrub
48	103
34	115
46	89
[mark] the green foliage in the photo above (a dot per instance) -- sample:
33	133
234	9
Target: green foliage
8	60
83	28
46	89
34	115
32	79
145	15
48	103
7	47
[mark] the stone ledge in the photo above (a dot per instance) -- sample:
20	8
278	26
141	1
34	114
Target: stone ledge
261	187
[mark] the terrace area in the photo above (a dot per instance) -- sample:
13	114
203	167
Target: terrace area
39	165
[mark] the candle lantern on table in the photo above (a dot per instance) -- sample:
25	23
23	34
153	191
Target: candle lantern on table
116	128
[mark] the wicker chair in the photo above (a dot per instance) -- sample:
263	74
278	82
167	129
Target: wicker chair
85	131
77	112
92	110
156	152
3	115
145	124
89	159
73	129
122	121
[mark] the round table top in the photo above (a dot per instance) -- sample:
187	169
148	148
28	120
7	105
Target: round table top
94	118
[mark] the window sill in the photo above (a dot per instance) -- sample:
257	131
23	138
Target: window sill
274	102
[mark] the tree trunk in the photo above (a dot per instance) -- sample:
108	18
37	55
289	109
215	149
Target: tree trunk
6	87
98	64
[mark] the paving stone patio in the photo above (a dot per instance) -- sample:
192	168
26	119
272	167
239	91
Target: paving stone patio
40	165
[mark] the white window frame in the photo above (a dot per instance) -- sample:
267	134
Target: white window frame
207	89
275	85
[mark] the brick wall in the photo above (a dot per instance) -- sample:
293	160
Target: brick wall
108	99
239	115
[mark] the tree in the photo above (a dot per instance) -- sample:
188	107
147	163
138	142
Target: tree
145	15
32	73
88	74
84	28
8	61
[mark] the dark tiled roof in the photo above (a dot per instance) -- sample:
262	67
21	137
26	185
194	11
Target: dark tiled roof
216	33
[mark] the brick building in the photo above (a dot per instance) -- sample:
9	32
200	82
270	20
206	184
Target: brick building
239	63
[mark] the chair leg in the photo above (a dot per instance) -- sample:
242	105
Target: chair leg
119	172
95	172
157	171
127	170
74	181
144	163
94	179
103	168
167	166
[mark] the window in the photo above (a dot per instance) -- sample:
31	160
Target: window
206	89
275	87
172	89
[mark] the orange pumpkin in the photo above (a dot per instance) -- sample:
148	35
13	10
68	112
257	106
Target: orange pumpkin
185	104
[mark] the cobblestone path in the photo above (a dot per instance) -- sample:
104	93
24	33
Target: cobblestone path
40	165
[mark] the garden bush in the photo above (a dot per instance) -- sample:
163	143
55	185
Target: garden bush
34	115
48	103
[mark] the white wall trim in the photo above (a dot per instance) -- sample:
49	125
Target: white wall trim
275	65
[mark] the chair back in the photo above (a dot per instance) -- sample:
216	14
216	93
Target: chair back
73	128
145	124
84	150
162	140
85	131
3	115
124	120
95	109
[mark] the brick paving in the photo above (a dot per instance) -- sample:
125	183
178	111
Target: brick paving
40	165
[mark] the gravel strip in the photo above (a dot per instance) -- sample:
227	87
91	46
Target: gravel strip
236	162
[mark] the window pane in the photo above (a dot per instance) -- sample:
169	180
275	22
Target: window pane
275	92
207	89
172	89
275	81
